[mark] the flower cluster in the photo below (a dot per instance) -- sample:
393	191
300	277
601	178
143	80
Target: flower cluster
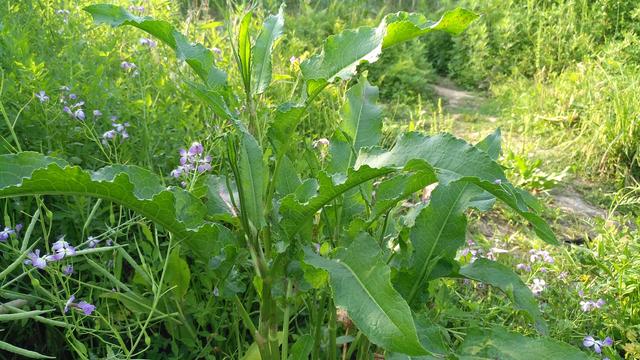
538	286
60	249
472	250
73	107
192	161
590	305
597	345
7	232
148	42
118	130
540	256
138	9
42	96
83	306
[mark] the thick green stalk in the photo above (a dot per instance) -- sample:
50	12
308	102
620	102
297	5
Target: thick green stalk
285	321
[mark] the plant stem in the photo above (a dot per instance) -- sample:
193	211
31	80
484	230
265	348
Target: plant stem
285	321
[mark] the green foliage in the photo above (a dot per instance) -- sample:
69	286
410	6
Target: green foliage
337	249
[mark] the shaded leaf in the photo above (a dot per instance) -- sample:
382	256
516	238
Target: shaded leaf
175	209
361	116
361	284
178	274
498	343
252	179
502	277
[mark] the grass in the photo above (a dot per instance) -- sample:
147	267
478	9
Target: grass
567	110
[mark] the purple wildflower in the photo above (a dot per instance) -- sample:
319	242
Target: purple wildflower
42	96
126	66
216	292
523	267
192	160
62	248
73	96
79	114
18	227
590	341
538	286
293	60
109	242
36	260
67	269
497	181
84	306
118	130
97	113
540	256
590	305
217	50
4	234
92	242
148	42
138	9
69	303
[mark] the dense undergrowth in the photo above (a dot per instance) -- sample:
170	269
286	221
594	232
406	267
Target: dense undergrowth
560	77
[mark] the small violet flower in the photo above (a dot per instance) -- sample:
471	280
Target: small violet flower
42	96
67	269
523	267
4	234
148	42
63	248
36	260
590	305
540	256
97	113
192	160
597	345
83	306
138	9
92	242
118	130
126	66
538	286
18	227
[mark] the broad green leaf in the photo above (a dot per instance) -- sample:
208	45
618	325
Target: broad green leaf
391	191
261	62
214	97
22	352
492	144
287	180
252	179
498	343
439	230
502	277
302	348
244	49
454	159
285	120
218	197
361	284
361	116
197	56
403	26
175	209
295	213
178	274
342	53
431	337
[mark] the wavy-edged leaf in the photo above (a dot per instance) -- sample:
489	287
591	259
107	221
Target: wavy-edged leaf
361	116
361	284
261	66
498	343
285	120
175	209
492	144
502	277
197	56
295	214
403	26
342	53
454	159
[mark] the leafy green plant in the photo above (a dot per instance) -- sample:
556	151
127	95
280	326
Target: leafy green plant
327	232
